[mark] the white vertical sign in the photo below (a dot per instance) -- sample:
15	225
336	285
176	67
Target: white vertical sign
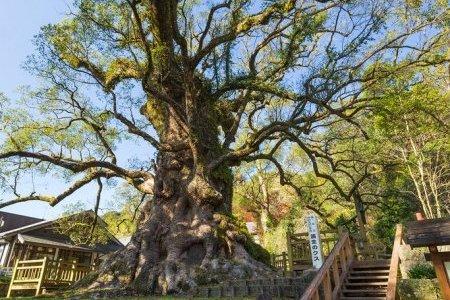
314	241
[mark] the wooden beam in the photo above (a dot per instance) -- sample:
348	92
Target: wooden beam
431	232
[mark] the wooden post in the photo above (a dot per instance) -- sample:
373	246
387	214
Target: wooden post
336	278
41	276
284	262
72	272
11	253
316	295
289	251
439	266
391	292
327	291
441	272
12	278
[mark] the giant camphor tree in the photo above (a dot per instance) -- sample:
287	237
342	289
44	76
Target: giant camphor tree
208	85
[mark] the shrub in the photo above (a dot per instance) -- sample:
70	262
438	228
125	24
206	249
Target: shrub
419	289
422	271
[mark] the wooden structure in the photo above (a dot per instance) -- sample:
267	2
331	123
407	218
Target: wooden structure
25	238
333	272
347	276
280	261
299	252
433	233
44	274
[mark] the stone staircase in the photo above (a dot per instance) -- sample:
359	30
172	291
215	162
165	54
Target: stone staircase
277	287
366	280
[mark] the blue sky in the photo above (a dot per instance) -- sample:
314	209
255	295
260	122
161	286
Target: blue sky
20	20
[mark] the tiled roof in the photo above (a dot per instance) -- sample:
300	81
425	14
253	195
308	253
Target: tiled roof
12	221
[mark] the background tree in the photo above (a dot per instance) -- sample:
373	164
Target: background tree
258	193
124	211
411	121
208	86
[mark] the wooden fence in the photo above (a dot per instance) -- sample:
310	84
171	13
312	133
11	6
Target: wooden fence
280	261
299	252
40	274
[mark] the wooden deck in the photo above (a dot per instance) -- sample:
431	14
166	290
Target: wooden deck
41	274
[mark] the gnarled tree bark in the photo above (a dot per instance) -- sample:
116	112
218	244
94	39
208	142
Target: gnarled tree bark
185	235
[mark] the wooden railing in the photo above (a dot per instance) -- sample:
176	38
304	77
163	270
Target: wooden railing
393	269
328	281
280	261
44	273
299	251
300	243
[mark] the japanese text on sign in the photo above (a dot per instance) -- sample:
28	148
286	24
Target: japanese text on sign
314	241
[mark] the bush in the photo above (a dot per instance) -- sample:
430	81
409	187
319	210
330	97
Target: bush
419	289
422	271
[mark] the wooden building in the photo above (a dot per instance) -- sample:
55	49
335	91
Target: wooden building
25	238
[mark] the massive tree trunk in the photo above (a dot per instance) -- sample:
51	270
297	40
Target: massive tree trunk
185	235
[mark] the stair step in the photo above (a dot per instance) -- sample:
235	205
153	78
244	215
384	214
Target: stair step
364	292
372	283
368	272
375	264
363	271
361	298
367	268
370	278
377	289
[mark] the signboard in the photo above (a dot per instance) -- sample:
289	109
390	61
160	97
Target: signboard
314	241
